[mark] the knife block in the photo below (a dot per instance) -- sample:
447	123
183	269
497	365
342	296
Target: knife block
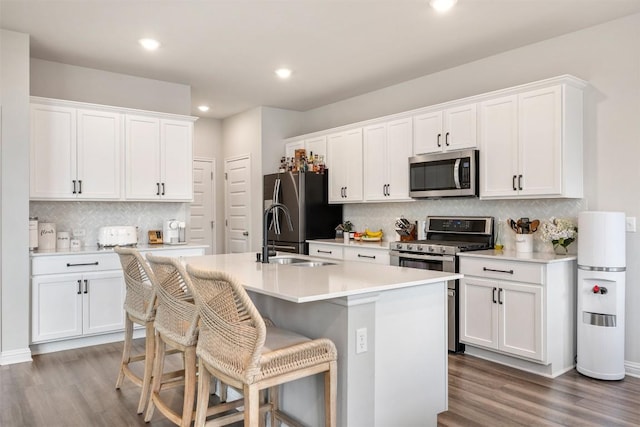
411	236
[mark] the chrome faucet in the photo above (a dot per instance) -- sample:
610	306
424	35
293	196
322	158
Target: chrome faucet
265	244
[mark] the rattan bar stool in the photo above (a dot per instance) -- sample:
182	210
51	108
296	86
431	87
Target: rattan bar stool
237	347
176	326
139	305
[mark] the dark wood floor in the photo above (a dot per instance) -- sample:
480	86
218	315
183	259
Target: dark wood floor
76	388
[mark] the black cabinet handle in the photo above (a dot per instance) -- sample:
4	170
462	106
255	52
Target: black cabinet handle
446	139
81	264
157	188
367	256
86	286
79	286
438	140
163	188
497	271
519	182
493	295
79	186
345	192
513	183
74	186
500	296
324	252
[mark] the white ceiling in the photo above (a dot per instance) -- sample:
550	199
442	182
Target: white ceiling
227	50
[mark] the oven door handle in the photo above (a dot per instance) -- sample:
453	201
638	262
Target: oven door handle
404	255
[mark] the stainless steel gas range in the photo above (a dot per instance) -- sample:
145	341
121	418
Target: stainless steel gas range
446	236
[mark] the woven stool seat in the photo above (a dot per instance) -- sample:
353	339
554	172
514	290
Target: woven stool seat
237	347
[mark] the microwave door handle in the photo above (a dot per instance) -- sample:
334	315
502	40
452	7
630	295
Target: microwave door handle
456	173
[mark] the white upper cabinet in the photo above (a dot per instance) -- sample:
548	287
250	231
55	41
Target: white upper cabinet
291	147
531	144
387	148
445	130
158	159
75	153
344	157
316	146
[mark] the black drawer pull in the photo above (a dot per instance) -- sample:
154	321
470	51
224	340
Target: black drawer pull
497	271
81	264
367	256
324	252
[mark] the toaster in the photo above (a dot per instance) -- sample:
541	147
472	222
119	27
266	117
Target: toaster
117	235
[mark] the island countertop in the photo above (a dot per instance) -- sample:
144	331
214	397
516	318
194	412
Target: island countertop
304	284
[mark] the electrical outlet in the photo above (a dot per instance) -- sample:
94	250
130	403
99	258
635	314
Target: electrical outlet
361	340
631	224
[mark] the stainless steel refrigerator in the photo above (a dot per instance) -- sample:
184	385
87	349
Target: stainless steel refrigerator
306	195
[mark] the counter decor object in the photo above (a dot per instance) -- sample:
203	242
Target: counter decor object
524	229
63	240
46	236
33	232
560	232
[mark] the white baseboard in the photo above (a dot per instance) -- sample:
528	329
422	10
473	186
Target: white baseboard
632	369
70	344
11	357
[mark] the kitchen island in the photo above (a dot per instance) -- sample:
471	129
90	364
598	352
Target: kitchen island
388	323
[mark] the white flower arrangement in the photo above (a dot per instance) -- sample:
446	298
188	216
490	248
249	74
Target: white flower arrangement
559	231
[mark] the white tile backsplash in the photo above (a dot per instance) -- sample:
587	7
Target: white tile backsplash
90	216
383	215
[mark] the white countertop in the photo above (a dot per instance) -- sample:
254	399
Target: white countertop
96	250
537	257
304	284
383	245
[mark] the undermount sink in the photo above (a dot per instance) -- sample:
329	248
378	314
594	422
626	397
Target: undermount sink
298	262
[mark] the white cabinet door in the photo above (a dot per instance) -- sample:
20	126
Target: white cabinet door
99	160
375	162
460	127
317	146
103	295
344	152
427	133
56	307
291	147
499	147
176	178
53	152
540	142
478	312
142	142
399	141
521	320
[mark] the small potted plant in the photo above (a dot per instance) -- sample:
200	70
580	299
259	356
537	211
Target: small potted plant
347	227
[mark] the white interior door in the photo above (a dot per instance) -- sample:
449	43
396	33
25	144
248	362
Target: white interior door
237	174
202	221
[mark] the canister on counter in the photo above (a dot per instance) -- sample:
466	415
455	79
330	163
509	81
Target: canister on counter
62	240
33	232
46	236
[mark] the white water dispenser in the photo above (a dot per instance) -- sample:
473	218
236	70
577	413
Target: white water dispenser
601	294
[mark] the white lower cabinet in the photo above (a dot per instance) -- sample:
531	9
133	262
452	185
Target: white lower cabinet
503	316
521	310
353	252
81	295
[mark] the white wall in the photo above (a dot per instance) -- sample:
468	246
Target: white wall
63	81
277	124
208	145
242	136
608	57
14	195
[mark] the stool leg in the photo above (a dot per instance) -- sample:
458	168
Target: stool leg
189	385
204	385
156	382
274	403
330	394
126	350
149	347
251	405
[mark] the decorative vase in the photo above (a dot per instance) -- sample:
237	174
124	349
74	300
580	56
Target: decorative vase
561	247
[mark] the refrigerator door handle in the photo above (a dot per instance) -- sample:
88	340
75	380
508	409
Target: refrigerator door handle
276	199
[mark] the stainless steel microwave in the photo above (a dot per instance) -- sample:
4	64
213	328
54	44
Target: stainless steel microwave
450	174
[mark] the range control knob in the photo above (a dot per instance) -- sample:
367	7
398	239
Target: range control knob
419	248
409	247
443	250
431	249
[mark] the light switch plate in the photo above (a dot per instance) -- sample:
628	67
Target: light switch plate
631	224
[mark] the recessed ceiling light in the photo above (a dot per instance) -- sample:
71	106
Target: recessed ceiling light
442	5
283	73
203	108
149	44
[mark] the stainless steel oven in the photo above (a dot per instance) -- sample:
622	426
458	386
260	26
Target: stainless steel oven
446	236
